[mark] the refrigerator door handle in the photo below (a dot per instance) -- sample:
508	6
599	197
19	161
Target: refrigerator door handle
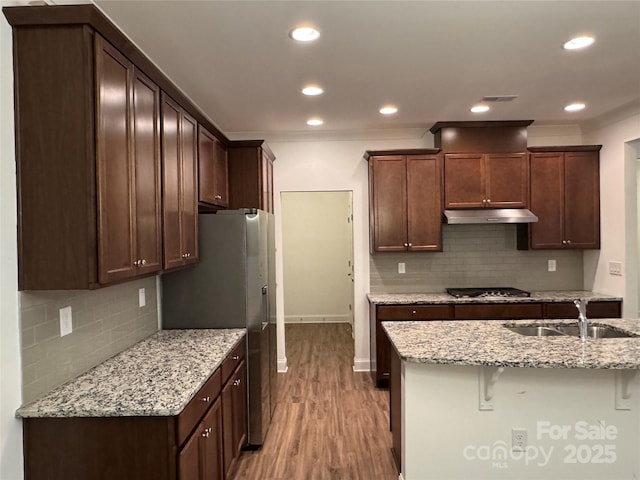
264	290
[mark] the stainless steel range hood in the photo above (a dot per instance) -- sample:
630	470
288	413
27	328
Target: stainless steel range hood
490	215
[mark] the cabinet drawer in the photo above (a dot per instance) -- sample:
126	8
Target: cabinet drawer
197	407
594	310
498	311
413	312
232	361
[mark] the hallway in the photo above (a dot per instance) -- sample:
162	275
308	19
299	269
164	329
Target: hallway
330	423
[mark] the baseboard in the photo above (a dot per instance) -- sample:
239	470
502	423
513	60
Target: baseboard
361	365
317	319
282	365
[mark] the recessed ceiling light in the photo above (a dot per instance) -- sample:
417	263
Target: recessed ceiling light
304	34
312	90
480	108
315	122
388	110
575	107
578	43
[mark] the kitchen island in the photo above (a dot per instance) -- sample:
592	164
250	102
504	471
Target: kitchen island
165	409
474	400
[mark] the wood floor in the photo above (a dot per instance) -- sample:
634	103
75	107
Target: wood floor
330	423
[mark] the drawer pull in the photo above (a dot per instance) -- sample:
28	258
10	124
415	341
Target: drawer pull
413	312
235	357
236	382
206	399
207	432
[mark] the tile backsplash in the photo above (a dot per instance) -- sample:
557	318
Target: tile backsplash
476	256
105	322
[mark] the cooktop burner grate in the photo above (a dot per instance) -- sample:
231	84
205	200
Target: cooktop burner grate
487	292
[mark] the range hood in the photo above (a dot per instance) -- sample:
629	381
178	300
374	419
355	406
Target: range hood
490	215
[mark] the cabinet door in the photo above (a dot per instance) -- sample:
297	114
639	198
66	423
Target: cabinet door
146	147
547	200
190	459
211	450
464	181
507	180
116	227
171	203
581	200
424	203
188	189
388	193
234	417
212	170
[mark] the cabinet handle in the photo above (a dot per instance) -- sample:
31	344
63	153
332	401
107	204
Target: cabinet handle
411	244
207	432
136	263
218	197
568	242
206	399
413	312
235	357
488	200
236	382
143	262
406	244
484	201
564	242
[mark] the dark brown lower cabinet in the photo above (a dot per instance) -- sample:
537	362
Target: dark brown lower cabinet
234	417
395	407
201	456
194	445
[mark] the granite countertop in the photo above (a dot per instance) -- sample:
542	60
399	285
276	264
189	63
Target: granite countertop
487	343
440	298
156	377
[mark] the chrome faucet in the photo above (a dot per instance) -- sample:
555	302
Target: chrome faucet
583	322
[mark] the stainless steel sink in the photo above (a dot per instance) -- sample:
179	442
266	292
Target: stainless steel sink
593	331
534	331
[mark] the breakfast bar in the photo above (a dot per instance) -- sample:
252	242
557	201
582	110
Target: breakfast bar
480	396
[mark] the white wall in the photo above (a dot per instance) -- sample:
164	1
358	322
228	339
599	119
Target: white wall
618	208
10	397
333	165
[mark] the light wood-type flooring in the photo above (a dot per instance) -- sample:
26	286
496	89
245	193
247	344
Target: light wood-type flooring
330	423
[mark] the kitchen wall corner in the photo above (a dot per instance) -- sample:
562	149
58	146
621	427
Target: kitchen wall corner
105	322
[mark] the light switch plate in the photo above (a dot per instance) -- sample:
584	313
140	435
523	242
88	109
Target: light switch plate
66	321
615	268
551	265
142	299
401	267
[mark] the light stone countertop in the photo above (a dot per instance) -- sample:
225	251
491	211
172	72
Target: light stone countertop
488	343
156	377
440	298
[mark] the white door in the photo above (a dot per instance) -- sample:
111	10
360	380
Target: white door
317	252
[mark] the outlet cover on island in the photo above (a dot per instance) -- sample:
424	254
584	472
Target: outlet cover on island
401	267
66	321
142	300
551	265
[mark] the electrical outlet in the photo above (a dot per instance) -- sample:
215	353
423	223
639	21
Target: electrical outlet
615	268
401	267
142	300
66	321
519	439
551	265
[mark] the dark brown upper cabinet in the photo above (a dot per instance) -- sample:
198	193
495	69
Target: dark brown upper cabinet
128	168
179	182
213	182
485	163
565	195
493	180
405	199
88	173
251	175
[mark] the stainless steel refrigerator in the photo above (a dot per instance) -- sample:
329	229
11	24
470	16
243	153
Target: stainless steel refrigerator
233	286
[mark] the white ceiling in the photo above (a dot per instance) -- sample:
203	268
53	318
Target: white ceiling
433	59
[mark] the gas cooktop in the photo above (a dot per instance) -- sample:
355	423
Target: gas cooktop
487	292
